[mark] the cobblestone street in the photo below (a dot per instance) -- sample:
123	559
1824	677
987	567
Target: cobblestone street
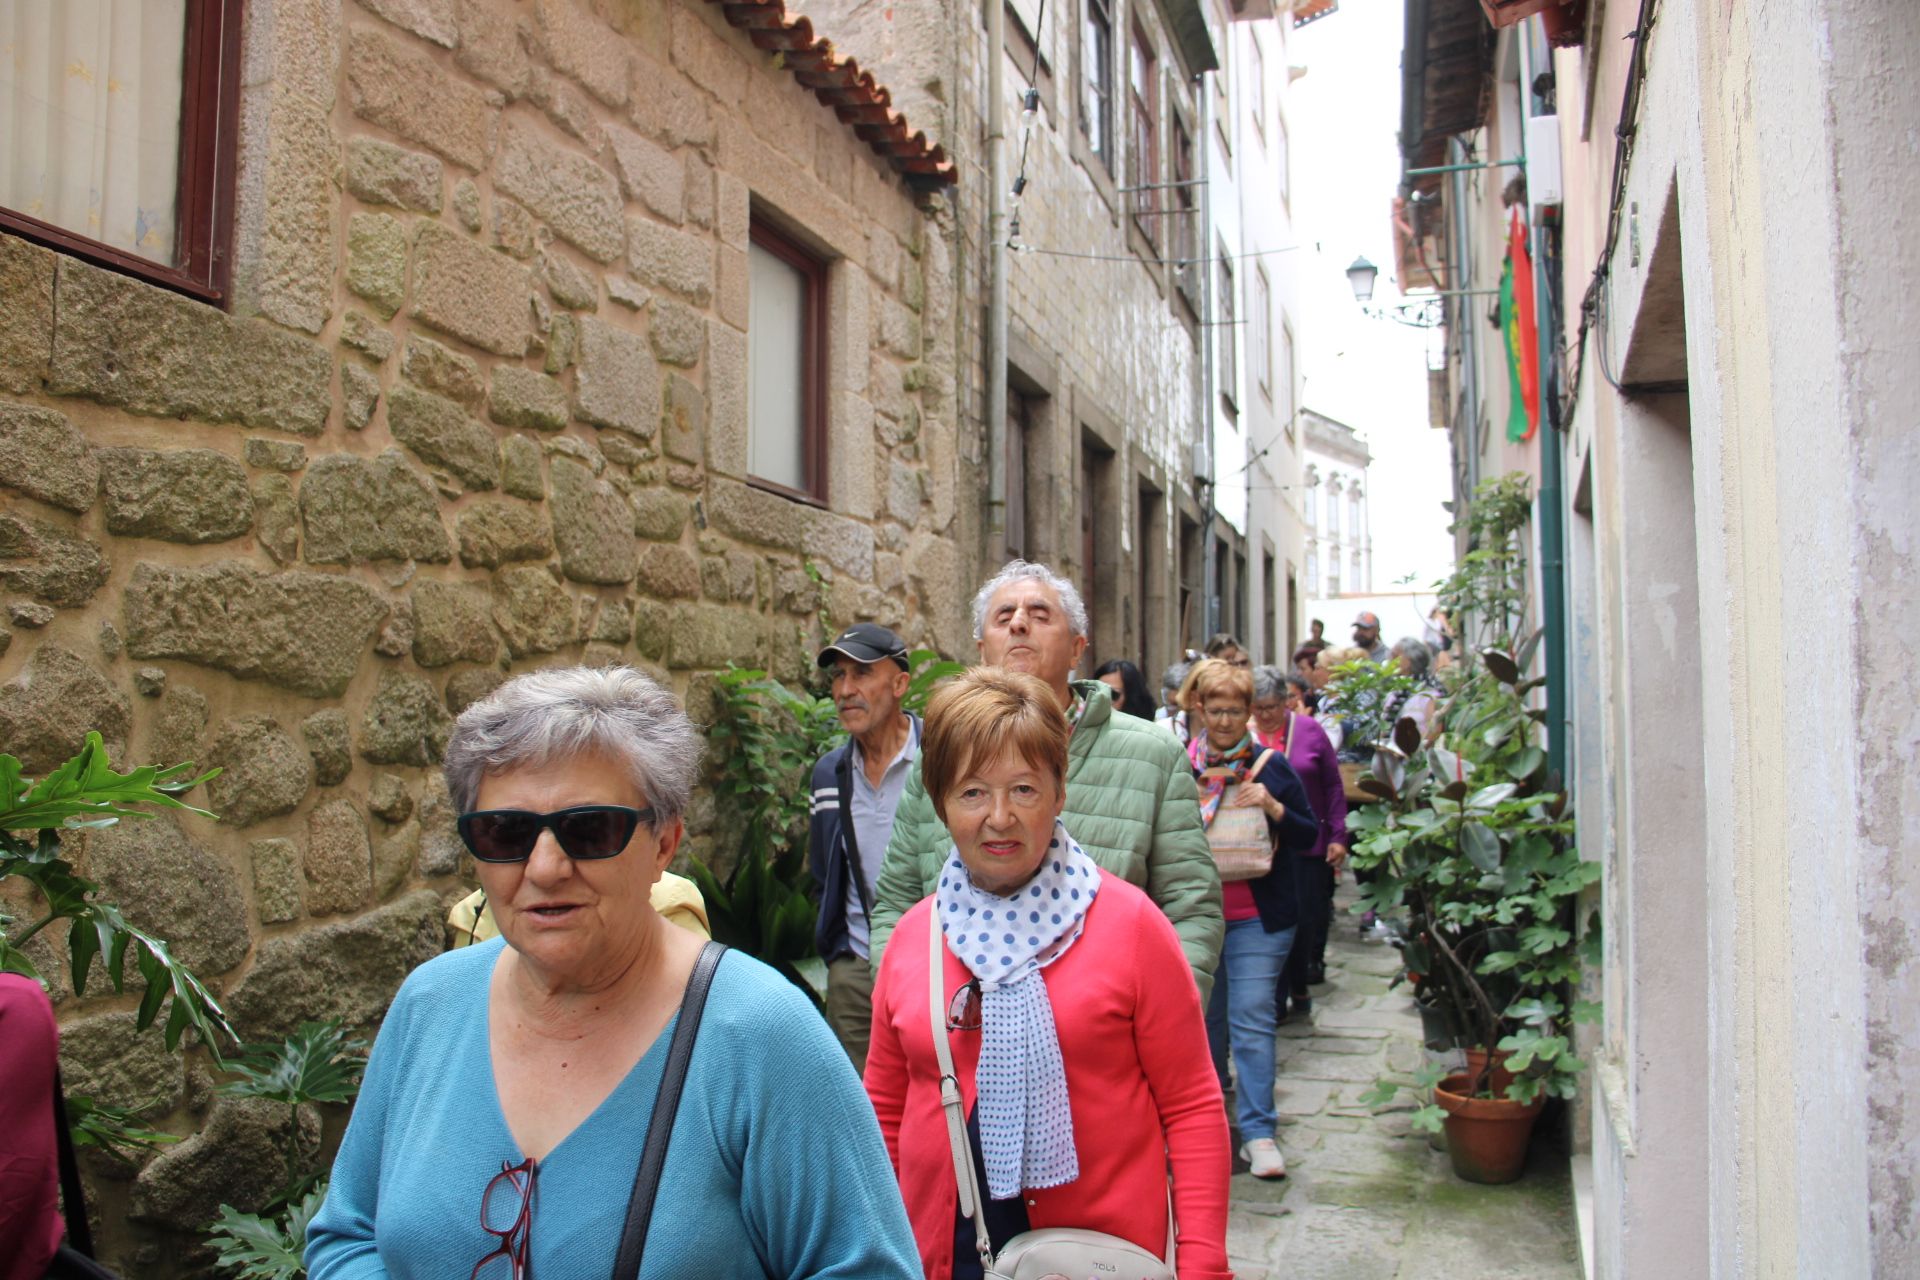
1367	1198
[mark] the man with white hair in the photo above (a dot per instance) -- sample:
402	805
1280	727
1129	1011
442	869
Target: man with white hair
1131	801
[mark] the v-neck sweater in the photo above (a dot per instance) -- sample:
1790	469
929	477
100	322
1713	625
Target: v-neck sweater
776	1166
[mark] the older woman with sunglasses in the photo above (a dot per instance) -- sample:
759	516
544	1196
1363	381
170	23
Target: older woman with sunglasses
512	1088
1070	1017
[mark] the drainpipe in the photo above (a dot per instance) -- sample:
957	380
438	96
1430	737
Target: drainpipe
996	284
1209	335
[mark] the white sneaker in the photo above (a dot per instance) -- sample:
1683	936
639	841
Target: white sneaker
1264	1155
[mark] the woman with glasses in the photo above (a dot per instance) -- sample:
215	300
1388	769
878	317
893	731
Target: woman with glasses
1280	722
1072	1021
510	1094
1263	912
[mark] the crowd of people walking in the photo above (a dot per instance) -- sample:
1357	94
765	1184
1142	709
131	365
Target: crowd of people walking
1061	921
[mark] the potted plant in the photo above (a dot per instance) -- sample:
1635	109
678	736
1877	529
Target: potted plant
1470	843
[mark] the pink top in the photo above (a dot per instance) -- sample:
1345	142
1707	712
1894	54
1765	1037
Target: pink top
1236	901
30	1225
1138	1078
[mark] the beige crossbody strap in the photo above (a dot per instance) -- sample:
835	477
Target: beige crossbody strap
950	1101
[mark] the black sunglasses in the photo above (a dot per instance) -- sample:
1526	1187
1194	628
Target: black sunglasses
585	832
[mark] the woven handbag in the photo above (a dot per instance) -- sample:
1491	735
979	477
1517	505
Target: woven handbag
1241	841
1031	1255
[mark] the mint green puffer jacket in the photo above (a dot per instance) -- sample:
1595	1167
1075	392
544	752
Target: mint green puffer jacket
1132	805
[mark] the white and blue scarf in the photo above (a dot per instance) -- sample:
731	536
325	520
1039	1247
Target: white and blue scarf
1026	1126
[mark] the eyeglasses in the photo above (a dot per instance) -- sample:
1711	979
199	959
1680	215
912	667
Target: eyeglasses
963	1011
1224	713
585	832
505	1209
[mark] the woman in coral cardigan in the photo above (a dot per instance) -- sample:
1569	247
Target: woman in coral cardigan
1074	1025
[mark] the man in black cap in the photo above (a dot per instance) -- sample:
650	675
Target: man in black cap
856	787
1366	635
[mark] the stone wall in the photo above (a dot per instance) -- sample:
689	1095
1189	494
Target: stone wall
480	405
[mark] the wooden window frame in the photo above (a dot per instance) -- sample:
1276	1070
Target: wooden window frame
1228	361
1099	139
813	366
209	145
1144	116
1184	213
1260	331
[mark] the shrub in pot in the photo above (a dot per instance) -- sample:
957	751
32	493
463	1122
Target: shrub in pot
1470	845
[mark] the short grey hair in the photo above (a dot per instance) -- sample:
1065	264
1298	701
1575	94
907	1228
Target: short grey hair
1174	676
1021	571
1269	682
1417	654
562	712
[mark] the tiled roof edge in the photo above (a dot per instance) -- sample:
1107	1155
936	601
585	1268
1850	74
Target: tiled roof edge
862	103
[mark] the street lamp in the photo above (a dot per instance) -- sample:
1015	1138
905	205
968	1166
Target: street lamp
1361	276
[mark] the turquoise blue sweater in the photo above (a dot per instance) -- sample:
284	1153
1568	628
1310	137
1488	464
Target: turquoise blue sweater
776	1166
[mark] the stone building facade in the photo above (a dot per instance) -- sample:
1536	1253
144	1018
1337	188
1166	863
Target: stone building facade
478	402
1105	296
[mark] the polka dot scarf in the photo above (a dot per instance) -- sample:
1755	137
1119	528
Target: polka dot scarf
1026	1128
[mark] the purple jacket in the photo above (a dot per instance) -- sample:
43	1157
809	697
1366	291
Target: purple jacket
1311	754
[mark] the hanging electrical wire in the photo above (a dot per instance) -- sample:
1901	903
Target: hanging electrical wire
1592	306
1136	257
1029	116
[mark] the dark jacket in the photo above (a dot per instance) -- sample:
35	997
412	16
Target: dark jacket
832	854
1294	834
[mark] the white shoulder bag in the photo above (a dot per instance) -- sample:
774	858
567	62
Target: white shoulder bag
1031	1255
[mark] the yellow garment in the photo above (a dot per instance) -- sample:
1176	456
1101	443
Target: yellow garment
675	897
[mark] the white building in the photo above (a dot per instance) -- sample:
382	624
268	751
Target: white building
1339	540
1259	537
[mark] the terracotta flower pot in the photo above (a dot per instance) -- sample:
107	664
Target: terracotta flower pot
1498	1079
1486	1137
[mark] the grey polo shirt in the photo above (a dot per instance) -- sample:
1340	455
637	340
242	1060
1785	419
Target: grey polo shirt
871	814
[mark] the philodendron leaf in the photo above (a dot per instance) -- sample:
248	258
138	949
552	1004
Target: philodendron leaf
1481	846
1503	667
1406	734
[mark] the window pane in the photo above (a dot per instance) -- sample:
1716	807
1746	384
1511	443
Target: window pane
90	94
776	375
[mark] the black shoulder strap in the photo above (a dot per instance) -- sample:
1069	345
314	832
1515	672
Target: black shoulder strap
72	1195
843	783
653	1158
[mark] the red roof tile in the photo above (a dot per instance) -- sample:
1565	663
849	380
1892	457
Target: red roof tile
861	102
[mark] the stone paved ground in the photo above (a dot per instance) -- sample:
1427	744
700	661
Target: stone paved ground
1367	1198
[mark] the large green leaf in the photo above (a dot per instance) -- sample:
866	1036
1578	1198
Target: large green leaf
87	788
319	1062
1481	846
256	1248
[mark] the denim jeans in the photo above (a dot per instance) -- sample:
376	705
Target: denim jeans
1243	1012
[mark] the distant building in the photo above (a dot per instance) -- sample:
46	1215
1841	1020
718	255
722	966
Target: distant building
1339	550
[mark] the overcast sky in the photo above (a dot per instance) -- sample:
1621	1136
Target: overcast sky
1370	374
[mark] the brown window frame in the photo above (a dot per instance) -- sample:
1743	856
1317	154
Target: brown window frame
209	144
1096	80
1184	213
813	366
1228	361
1144	146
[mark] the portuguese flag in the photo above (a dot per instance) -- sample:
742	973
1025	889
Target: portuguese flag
1517	322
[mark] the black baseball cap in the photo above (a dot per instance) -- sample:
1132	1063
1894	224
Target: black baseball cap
866	642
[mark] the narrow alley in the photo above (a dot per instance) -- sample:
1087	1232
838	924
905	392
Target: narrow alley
1366	1196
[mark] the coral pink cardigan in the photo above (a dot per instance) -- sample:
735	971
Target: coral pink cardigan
1139	1079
